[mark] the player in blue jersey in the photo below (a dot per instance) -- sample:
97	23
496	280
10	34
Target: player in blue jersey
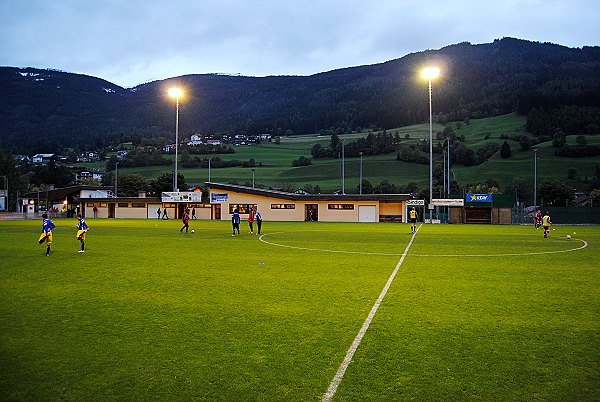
82	228
258	218
235	221
46	236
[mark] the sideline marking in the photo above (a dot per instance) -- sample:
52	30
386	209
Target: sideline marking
585	244
337	379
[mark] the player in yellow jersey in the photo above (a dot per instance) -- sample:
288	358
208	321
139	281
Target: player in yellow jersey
412	215
546	223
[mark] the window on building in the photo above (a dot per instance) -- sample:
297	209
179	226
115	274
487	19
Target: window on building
341	206
138	205
123	205
283	206
242	208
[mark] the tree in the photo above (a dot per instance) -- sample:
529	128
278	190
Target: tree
559	139
595	197
520	187
164	183
581	140
505	151
367	187
571	172
555	193
130	185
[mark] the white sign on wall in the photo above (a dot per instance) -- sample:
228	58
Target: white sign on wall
448	202
182	196
415	203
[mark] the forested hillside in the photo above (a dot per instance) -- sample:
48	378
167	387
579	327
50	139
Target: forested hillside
556	87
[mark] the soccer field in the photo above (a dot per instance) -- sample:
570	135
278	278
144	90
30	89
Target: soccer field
148	313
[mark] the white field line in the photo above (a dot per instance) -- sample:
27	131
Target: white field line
337	379
585	244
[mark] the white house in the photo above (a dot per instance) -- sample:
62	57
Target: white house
195	140
89	173
41	158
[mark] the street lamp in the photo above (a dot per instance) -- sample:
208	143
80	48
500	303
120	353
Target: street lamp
429	74
360	184
176	93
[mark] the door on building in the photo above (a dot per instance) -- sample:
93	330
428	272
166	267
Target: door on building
216	212
180	209
367	213
111	210
312	212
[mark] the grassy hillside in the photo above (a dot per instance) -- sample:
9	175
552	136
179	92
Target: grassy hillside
276	160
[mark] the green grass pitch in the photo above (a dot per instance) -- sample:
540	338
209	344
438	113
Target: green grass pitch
148	313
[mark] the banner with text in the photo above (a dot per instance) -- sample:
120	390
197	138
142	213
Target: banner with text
219	197
448	202
182	196
415	203
479	198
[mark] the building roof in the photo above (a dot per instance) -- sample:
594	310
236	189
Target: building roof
307	197
62	193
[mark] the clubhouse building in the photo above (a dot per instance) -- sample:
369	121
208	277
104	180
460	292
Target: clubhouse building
222	200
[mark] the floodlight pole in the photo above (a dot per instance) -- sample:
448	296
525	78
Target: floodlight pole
253	178
430	153
535	177
360	184
176	141
209	159
116	179
343	171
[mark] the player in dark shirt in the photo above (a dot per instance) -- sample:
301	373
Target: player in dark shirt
235	221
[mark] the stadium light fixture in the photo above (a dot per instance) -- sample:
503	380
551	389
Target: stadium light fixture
176	93
429	74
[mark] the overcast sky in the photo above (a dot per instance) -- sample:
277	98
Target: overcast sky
129	42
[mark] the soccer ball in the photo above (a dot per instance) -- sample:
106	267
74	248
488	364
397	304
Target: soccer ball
568	236
192	230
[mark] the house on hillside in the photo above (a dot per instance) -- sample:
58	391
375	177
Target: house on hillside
89	174
195	139
265	136
41	158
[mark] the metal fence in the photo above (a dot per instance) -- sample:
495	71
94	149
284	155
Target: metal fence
561	215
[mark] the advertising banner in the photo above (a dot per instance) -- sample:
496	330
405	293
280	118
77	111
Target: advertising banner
182	196
479	198
415	203
447	202
219	197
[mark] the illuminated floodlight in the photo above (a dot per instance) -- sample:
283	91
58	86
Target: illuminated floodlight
430	73
175	92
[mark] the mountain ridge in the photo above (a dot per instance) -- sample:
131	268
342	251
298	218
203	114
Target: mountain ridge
53	108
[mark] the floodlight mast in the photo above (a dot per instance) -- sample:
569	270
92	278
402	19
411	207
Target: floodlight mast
429	74
176	93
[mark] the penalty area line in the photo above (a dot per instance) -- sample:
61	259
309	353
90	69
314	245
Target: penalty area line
337	379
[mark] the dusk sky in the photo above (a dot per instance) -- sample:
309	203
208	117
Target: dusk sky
136	41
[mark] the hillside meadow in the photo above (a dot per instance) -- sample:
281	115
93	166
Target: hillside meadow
276	168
